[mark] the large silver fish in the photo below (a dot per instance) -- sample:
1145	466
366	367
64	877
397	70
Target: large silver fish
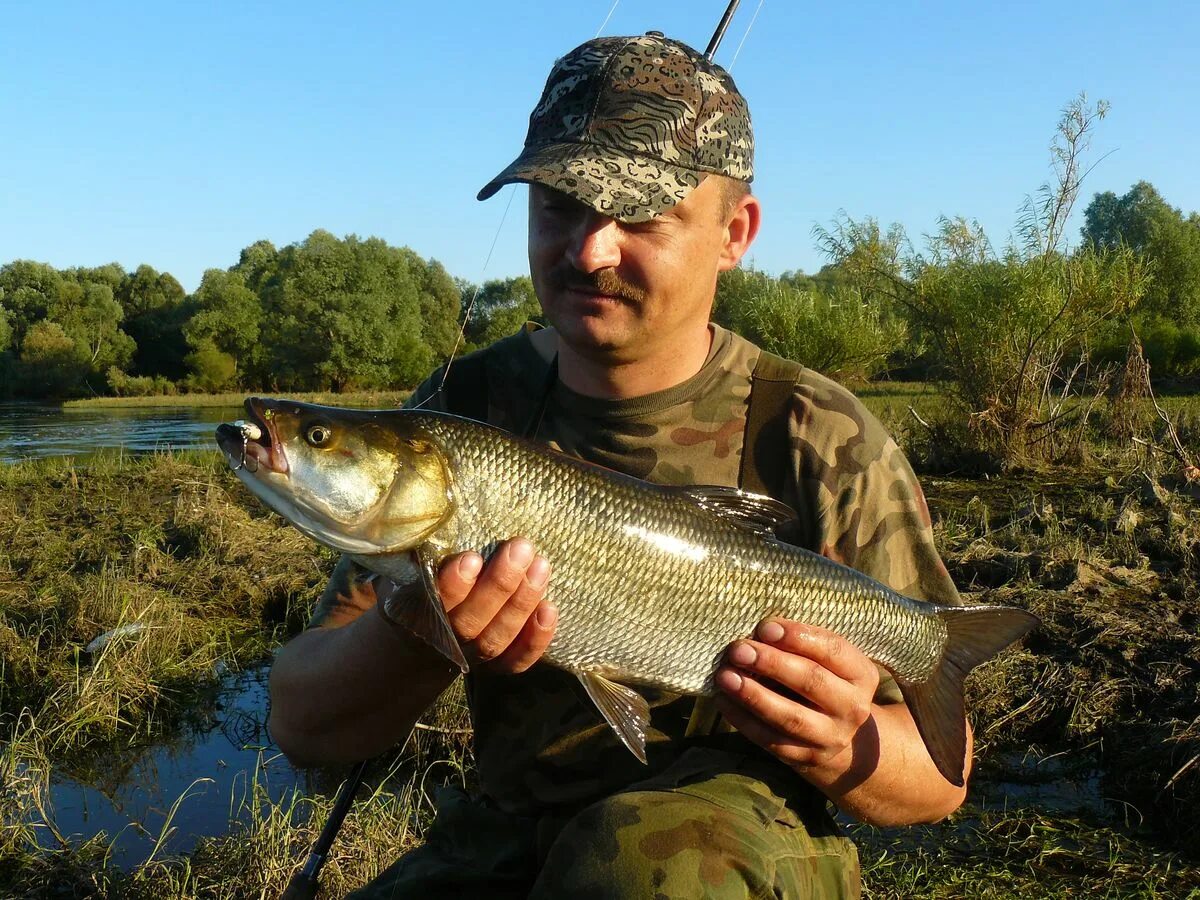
651	583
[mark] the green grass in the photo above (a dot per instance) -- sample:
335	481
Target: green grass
170	543
1018	853
380	399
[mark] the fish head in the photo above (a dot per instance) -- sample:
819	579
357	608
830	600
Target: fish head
359	481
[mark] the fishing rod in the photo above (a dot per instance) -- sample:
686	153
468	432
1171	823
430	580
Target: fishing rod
305	882
719	34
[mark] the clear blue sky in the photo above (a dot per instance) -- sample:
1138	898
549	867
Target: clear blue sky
176	134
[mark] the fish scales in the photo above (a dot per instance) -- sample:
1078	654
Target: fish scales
651	583
658	603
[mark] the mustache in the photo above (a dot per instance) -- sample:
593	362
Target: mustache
602	281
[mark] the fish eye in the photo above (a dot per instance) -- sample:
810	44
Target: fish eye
318	435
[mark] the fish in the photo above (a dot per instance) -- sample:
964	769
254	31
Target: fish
651	582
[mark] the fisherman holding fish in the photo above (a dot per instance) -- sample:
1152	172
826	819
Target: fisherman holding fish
638	159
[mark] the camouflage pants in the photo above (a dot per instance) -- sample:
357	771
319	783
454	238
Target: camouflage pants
705	827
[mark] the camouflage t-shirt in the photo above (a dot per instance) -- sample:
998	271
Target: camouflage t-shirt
540	743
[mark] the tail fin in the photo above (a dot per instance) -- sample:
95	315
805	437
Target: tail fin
974	634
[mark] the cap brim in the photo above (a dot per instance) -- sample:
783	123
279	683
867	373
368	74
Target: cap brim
628	187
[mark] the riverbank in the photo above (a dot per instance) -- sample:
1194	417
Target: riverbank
1088	736
364	399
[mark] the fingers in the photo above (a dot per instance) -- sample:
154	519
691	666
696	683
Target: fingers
798	691
762	713
802	676
492	608
786	745
528	646
831	651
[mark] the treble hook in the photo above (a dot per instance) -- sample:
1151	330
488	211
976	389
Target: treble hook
250	432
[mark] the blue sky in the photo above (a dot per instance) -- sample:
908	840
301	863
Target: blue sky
176	134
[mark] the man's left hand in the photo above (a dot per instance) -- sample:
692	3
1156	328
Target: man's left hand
802	693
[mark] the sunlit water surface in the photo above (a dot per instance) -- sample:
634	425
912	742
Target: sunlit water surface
30	430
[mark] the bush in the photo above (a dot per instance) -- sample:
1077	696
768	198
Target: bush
124	385
212	370
1011	330
837	334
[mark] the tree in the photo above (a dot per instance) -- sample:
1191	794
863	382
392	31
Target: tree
50	362
345	313
500	308
155	309
257	264
838	334
5	328
28	289
226	317
1007	327
1143	221
440	305
91	316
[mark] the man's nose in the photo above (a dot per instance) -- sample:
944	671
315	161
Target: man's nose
595	243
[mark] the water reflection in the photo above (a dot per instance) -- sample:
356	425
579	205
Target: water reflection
33	430
205	774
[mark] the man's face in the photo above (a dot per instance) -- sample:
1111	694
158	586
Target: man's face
619	292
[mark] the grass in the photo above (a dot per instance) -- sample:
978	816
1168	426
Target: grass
157	542
377	399
1018	853
1108	556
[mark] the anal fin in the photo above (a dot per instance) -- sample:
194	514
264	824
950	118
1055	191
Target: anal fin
622	707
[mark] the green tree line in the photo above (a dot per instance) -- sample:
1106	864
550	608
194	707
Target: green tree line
332	313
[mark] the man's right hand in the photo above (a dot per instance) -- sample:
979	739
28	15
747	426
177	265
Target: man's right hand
354	685
497	609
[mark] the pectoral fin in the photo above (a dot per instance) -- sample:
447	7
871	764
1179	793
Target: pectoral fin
623	708
425	614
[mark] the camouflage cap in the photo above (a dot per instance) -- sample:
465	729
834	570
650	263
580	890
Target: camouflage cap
631	125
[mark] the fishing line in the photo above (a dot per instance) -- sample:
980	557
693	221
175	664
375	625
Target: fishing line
462	330
606	18
753	19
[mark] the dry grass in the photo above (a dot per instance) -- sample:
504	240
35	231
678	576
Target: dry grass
1109	558
162	544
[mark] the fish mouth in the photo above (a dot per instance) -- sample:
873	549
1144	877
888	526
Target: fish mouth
254	443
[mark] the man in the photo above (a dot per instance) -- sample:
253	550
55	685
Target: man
638	159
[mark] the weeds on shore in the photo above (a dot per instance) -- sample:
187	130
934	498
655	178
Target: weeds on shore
1017	853
154	552
373	399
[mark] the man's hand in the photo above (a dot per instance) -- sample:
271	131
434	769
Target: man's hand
497	610
804	694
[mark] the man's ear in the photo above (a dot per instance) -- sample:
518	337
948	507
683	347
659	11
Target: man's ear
740	231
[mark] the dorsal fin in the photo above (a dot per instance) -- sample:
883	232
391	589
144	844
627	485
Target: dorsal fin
756	512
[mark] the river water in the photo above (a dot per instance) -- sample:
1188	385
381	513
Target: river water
30	430
197	783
